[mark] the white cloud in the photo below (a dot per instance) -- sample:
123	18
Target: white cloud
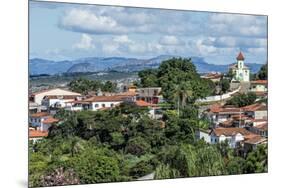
111	48
240	42
88	22
171	40
122	39
238	25
85	43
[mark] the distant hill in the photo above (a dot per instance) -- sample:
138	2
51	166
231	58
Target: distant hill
96	64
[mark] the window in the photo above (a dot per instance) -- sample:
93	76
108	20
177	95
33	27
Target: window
96	105
103	105
111	105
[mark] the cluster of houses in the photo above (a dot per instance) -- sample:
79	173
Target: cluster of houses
244	127
43	105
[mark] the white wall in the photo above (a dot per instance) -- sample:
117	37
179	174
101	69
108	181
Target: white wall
260	114
100	105
38	97
259	88
218	97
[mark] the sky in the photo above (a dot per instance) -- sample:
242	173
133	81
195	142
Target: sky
61	31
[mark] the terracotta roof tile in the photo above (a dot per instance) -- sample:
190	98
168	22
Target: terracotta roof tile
255	107
105	98
142	103
37	134
263	127
255	139
240	56
259	82
230	131
50	120
39	114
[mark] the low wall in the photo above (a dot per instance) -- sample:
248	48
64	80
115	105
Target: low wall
219	97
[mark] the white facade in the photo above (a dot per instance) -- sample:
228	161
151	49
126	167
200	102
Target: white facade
233	140
107	104
37	97
240	71
203	135
55	102
38	122
258	88
94	106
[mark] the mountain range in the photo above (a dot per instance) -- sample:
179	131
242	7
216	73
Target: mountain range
96	64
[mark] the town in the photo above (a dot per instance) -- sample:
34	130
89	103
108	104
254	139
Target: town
233	113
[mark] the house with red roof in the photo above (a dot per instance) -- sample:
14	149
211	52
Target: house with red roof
219	114
236	137
42	121
258	86
95	103
256	111
35	135
260	129
155	112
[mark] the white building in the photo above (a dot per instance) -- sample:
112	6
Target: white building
256	111
98	102
203	135
240	71
258	86
42	121
234	136
150	94
219	114
37	97
58	101
35	135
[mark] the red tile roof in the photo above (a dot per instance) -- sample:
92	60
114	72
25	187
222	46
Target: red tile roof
263	126
240	56
37	134
259	82
254	139
142	103
217	108
114	98
227	123
255	107
50	120
230	131
39	114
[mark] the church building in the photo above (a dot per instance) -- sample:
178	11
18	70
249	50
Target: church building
240	71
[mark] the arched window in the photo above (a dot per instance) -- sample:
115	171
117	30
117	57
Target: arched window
111	105
96	105
103	105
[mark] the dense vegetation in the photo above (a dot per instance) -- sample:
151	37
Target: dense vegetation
84	86
262	74
179	80
243	99
124	143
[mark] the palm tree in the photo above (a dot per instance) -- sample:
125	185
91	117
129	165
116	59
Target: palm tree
181	94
